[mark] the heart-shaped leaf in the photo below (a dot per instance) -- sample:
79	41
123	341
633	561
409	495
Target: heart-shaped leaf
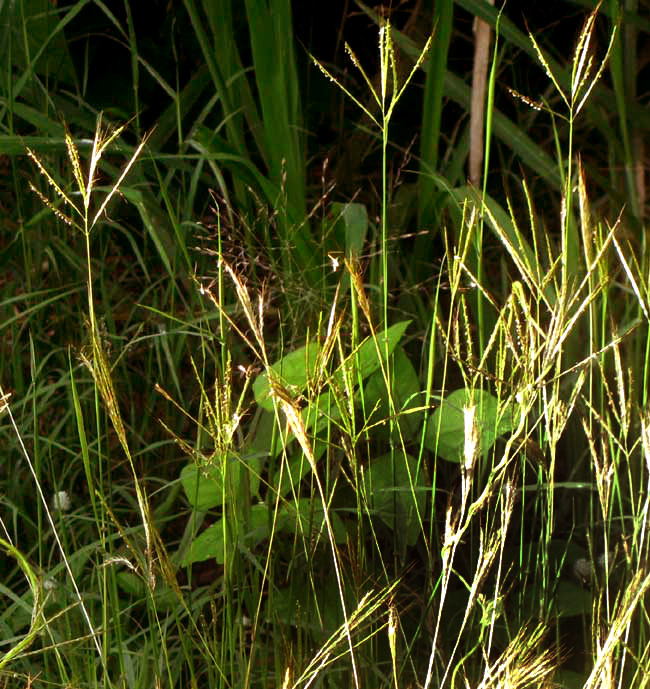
445	433
294	370
396	493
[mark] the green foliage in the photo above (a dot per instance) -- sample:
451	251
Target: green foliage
295	370
420	445
389	485
299	367
403	394
205	487
270	112
350	227
231	482
219	543
450	425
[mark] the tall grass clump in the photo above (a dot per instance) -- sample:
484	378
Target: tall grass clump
338	496
553	362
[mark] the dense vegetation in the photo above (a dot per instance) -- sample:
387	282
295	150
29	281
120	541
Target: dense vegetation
288	401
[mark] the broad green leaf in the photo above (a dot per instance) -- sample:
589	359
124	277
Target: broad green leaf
396	493
370	354
569	679
405	387
316	416
305	517
350	226
262	432
164	597
258	527
296	367
323	411
572	600
294	370
208	545
295	606
203	485
445	432
290	474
